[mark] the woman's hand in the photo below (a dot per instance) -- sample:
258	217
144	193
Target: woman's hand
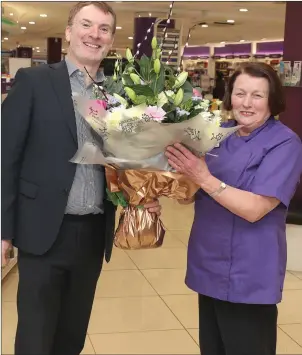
186	163
153	207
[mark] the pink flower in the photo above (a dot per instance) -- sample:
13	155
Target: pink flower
196	93
102	103
155	113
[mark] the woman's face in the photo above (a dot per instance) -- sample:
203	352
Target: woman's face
250	101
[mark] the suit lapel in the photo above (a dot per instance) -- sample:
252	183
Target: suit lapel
61	85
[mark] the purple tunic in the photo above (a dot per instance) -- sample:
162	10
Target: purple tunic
230	258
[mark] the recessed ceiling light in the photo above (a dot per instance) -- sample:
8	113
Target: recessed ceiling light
230	21
5	38
150	14
243	10
32	22
43	15
63	49
119	27
11	14
37	47
242	40
23	28
222	42
263	39
38	51
204	25
130	37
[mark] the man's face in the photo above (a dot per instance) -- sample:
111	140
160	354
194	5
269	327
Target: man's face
90	36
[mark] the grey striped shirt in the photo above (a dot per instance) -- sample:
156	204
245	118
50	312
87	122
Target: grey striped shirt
87	191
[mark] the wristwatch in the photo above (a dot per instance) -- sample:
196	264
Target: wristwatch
221	188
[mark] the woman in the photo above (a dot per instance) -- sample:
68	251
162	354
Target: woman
237	247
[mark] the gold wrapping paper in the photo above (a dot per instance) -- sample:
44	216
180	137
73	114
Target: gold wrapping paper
138	228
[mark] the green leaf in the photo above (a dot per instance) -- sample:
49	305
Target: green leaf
142	90
128	80
187	87
158	81
188	91
195	113
117	198
187	106
145	67
140	99
112	86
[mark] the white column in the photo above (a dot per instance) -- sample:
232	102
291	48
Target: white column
211	64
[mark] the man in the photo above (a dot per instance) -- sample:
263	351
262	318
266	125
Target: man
53	211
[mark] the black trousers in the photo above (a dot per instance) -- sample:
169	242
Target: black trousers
56	290
236	329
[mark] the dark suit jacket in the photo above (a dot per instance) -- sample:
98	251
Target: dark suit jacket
38	139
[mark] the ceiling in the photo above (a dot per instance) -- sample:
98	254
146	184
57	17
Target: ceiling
263	20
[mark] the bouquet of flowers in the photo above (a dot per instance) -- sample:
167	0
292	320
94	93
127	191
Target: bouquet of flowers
144	107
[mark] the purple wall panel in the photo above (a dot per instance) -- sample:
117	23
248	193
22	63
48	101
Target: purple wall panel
292	117
141	25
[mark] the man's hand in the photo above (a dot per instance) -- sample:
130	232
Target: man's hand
6	246
153	207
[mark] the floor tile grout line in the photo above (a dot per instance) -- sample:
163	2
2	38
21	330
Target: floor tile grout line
293	274
196	342
172	312
91	342
140	331
290	337
161	298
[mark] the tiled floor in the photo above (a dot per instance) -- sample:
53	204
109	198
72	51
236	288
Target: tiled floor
143	307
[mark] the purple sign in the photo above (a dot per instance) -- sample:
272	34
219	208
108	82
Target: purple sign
270	47
197	51
233	50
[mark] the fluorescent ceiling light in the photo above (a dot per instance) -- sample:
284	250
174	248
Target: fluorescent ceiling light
222	42
230	21
242	40
130	37
38	51
243	10
43	15
37	47
11	14
118	27
5	38
204	25
23	28
32	22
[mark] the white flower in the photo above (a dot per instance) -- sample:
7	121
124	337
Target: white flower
161	99
170	93
182	112
196	98
218	102
206	116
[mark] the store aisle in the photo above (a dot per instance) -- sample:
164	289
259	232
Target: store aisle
143	307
